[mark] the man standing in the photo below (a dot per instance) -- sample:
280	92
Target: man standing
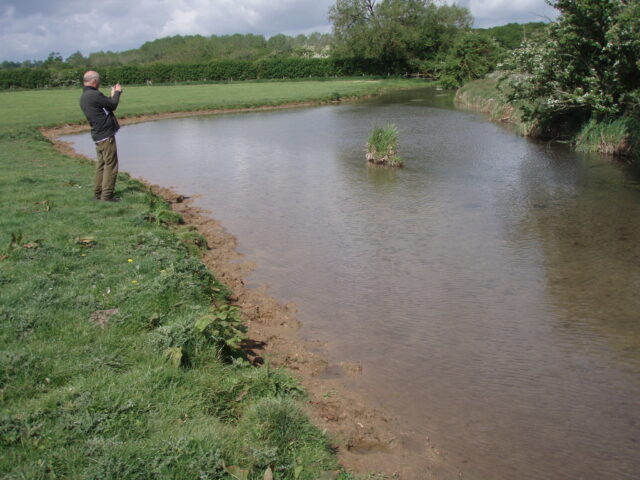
99	111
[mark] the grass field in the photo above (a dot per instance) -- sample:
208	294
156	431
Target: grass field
118	356
38	108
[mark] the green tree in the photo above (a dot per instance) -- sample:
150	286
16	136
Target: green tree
76	60
54	60
280	45
8	64
399	34
353	22
512	35
587	66
472	56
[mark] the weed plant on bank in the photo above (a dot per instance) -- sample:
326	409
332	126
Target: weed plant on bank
119	353
484	95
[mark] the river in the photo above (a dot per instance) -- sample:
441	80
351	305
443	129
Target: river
490	289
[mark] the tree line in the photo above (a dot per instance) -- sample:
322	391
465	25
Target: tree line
386	37
585	68
193	49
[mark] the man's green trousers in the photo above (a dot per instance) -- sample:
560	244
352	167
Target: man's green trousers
106	169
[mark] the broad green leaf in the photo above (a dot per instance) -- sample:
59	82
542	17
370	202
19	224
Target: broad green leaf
174	355
203	323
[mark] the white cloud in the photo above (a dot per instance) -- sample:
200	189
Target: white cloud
498	12
204	17
180	21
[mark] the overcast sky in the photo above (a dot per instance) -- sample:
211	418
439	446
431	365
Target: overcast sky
31	29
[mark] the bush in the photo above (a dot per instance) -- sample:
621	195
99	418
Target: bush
25	78
586	66
472	56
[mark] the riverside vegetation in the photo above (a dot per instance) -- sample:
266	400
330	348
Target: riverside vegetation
617	136
120	353
580	81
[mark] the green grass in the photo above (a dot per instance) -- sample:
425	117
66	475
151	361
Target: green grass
618	137
382	146
38	108
118	356
483	95
81	400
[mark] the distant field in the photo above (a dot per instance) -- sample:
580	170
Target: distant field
43	108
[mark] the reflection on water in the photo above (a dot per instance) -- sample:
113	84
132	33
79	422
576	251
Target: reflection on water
488	288
588	242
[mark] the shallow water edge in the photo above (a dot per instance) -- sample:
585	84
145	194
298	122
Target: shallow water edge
367	438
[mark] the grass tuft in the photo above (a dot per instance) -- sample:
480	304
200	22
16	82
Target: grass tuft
619	137
382	146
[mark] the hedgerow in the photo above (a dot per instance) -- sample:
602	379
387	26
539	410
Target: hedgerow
216	71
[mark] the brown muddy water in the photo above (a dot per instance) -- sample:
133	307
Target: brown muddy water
490	289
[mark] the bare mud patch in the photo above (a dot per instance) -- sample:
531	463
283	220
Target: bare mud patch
367	439
101	317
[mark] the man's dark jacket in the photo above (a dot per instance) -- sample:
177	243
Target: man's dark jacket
99	111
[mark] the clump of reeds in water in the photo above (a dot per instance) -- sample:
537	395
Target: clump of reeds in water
382	146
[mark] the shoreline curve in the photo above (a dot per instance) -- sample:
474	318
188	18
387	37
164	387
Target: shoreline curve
366	438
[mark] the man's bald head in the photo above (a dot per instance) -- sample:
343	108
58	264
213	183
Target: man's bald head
91	79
